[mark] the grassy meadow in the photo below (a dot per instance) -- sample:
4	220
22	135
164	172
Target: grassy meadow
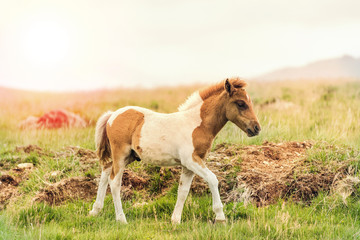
325	112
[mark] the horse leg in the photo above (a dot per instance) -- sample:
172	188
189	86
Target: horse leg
213	183
183	191
101	192
119	163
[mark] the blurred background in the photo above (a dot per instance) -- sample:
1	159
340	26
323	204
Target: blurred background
87	45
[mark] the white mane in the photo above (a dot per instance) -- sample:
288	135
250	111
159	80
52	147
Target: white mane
193	100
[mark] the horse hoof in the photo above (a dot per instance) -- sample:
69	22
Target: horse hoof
175	222
93	213
218	221
121	220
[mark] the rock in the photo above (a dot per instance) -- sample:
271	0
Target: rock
25	165
55	173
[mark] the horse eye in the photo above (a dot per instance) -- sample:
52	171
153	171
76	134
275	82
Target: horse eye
241	105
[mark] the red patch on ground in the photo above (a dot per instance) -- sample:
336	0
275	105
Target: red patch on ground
54	119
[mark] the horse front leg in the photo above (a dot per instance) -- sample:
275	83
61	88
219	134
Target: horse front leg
213	183
183	191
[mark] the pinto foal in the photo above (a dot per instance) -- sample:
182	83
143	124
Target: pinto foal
181	138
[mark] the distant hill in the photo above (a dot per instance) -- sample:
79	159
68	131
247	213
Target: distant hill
343	67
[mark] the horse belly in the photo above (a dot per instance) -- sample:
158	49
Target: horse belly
162	136
160	158
160	151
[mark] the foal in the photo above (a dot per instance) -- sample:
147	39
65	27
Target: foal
181	138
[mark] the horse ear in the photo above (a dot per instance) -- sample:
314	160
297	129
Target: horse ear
229	87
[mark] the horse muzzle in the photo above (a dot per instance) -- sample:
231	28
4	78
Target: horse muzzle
253	130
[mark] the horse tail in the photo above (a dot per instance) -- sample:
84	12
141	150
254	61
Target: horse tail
103	149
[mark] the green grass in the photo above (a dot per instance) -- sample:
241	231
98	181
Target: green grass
326	113
326	218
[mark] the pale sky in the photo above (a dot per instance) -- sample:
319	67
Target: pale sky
86	44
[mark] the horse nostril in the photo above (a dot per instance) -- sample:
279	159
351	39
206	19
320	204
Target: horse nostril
256	128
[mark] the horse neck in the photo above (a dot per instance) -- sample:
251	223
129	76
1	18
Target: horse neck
213	114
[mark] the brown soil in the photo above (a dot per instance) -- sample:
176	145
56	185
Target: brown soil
68	189
30	148
259	174
7	189
273	171
9	183
85	188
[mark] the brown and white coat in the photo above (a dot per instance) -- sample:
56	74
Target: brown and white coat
180	138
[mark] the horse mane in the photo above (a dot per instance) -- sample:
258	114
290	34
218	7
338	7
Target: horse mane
190	102
203	94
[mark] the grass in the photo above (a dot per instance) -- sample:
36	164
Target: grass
325	112
326	218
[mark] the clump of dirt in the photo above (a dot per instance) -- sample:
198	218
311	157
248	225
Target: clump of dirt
86	188
7	189
9	183
132	180
67	189
30	148
8	180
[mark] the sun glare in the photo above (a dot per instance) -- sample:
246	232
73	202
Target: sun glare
45	43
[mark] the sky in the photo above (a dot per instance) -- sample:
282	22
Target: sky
88	44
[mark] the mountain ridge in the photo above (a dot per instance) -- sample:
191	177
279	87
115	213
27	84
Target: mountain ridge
341	67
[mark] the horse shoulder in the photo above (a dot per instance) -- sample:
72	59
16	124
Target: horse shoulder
202	141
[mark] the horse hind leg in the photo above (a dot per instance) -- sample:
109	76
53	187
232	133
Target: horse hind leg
120	158
183	191
101	192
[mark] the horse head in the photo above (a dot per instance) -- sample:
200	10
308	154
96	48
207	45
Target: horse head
239	109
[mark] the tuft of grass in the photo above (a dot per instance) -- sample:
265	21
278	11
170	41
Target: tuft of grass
38	214
32	158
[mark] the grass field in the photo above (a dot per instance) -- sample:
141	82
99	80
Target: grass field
323	112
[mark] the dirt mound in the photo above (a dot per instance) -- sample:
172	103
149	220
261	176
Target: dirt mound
9	183
273	171
131	179
67	189
259	174
8	180
29	149
7	189
263	174
85	188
